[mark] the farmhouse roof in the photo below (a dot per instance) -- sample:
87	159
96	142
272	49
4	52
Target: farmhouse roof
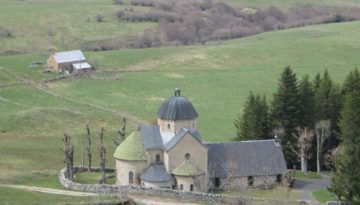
246	158
79	66
174	140
177	108
132	148
69	56
156	173
187	169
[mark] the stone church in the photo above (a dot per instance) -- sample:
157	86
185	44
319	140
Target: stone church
171	154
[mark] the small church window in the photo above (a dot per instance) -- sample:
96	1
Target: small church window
217	182
131	177
191	187
157	158
278	178
250	180
181	187
187	156
169	126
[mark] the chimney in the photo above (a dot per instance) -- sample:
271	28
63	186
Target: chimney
277	140
177	92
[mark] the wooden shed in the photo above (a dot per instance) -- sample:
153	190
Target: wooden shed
63	61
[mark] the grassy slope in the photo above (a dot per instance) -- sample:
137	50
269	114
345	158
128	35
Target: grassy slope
217	78
324	195
72	23
288	3
19	197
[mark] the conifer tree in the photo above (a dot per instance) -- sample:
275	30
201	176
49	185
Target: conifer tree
352	82
345	182
307	103
253	123
285	111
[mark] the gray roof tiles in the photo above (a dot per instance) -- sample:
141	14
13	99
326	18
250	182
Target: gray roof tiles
69	56
177	108
156	173
246	158
169	145
152	137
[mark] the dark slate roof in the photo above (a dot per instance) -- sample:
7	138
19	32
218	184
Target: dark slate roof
249	158
174	140
156	173
152	137
177	108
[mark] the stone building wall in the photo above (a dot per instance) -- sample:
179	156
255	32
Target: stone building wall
241	183
124	167
175	126
151	155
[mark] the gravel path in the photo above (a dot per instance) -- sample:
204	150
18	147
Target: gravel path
305	187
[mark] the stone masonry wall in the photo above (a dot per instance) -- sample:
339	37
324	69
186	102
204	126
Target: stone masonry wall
166	193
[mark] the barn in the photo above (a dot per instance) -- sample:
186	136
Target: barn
68	61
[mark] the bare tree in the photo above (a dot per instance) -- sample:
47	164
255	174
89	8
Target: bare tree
69	156
304	137
322	128
122	133
88	147
102	152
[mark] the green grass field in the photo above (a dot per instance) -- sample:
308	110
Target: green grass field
324	195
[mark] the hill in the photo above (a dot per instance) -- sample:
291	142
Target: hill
216	78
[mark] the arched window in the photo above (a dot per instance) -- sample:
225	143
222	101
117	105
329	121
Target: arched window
191	187
169	126
131	177
157	158
181	187
187	156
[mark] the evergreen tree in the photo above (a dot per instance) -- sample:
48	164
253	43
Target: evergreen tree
352	82
328	103
317	81
307	103
345	182
253	123
285	111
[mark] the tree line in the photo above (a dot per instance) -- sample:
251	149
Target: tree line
317	121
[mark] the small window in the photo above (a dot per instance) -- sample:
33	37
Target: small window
250	181
157	158
193	124
131	177
278	178
187	156
169	126
191	187
181	187
217	182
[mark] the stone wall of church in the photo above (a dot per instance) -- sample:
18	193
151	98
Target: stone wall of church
174	126
198	154
158	185
151	156
123	169
243	183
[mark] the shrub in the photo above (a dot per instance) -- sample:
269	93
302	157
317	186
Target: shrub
99	18
6	32
119	2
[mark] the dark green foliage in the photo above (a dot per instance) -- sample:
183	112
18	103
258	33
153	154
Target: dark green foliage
253	123
352	82
285	111
307	103
346	180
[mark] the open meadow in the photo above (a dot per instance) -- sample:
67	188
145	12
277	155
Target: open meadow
216	78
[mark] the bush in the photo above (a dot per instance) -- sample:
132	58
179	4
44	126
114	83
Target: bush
6	32
99	18
119	2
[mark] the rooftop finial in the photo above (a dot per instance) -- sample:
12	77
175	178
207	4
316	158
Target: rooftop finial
177	92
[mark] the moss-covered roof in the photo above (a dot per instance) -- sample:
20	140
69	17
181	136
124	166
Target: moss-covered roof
187	169
132	148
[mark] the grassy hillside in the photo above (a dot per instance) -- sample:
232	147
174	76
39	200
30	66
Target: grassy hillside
43	25
216	78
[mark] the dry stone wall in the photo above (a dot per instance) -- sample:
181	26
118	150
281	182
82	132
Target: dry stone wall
166	193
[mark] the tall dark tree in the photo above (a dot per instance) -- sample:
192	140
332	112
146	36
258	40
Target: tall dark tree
102	153
328	103
254	121
69	156
121	132
345	182
352	82
88	146
285	111
307	103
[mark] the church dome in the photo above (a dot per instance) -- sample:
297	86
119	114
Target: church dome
177	108
132	148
